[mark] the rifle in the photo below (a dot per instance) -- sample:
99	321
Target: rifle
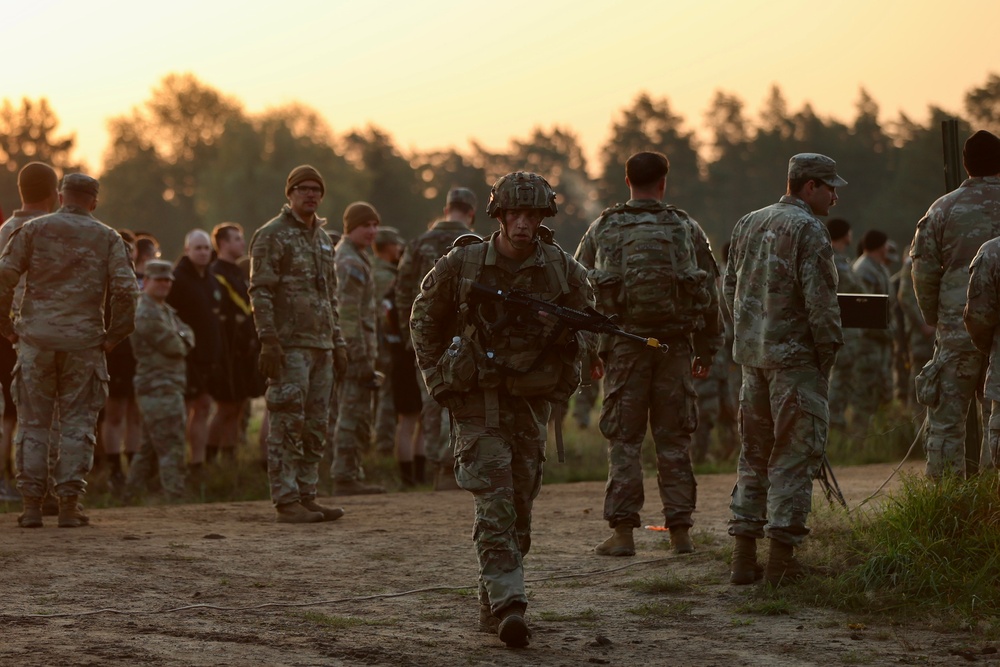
574	320
824	475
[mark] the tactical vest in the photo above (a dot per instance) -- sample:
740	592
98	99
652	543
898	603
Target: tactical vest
656	282
515	351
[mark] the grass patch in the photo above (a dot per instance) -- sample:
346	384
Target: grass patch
662	609
766	604
932	548
583	615
658	585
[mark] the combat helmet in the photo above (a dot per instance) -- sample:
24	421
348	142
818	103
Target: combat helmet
521	189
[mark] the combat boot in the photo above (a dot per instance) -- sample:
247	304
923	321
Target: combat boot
71	513
329	513
782	566
745	569
513	631
352	487
295	513
31	514
680	540
444	480
487	621
619	544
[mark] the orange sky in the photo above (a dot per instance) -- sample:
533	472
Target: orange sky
438	73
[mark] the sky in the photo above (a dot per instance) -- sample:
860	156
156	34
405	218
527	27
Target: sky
441	73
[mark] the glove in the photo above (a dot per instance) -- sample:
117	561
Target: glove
340	362
271	359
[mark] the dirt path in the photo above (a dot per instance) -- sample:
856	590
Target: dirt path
144	560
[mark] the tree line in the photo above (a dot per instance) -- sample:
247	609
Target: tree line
191	156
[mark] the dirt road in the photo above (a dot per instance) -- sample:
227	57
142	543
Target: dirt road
143	561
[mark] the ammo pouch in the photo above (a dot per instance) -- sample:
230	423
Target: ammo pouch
607	290
555	375
926	384
458	366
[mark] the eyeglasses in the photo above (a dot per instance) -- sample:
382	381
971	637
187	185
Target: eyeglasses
309	189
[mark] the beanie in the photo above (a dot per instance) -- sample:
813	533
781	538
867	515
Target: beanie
302	173
357	214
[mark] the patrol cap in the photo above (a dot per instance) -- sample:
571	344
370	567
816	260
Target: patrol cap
159	268
814	165
80	183
461	196
388	235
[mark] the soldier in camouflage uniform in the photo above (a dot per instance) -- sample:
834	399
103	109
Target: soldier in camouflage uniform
161	342
872	386
388	249
781	287
982	321
70	260
947	239
716	403
919	334
498	382
418	259
842	375
37	185
293	291
356	297
679	306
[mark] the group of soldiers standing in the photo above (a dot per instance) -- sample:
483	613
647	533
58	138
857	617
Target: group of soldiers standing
455	338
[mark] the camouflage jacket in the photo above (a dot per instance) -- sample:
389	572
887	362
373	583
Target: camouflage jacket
161	343
418	259
70	260
982	312
948	237
601	248
913	321
356	299
384	274
874	279
781	287
439	312
293	283
14	223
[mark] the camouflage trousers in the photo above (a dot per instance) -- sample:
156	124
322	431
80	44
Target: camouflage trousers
842	377
385	418
163	417
783	428
298	401
990	458
871	387
434	428
502	466
948	385
354	423
644	386
47	385
920	353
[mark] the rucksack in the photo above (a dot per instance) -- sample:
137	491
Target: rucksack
660	283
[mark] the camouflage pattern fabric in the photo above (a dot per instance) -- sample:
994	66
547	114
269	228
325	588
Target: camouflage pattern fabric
7	229
68	385
293	291
645	386
299	401
356	298
872	385
162	447
947	239
716	407
499	449
384	274
435	427
783	426
70	259
293	283
161	343
842	374
981	318
781	286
